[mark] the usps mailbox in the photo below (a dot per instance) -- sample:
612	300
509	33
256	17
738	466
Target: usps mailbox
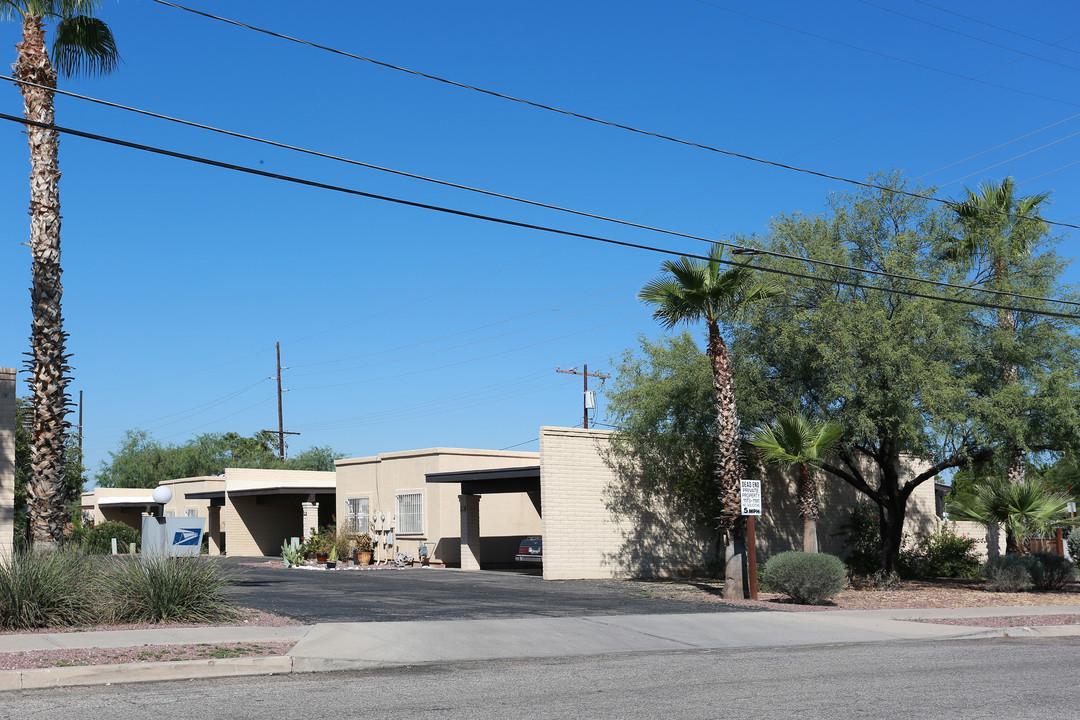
170	536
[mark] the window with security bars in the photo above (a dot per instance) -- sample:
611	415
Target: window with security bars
409	509
192	512
357	515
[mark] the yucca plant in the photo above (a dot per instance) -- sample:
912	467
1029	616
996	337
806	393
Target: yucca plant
47	589
168	589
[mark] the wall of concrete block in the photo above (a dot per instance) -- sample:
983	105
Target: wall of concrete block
591	532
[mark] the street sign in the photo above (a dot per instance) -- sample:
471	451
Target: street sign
751	496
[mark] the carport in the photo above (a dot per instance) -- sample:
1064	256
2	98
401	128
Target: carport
476	483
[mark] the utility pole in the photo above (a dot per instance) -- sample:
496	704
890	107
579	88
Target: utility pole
80	426
585	396
281	432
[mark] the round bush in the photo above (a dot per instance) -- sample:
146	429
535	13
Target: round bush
807	578
1011	573
98	540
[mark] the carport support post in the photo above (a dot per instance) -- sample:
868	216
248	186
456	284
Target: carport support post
470	531
311	517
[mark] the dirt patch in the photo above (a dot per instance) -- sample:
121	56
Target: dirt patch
33	659
1005	621
248	617
913	594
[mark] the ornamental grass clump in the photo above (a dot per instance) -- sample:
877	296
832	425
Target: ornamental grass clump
163	589
47	589
806	578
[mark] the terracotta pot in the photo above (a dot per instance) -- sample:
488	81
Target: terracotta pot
363	558
321	557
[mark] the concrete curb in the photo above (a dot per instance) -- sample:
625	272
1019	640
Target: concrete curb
143	672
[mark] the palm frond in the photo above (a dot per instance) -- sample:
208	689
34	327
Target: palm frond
84	45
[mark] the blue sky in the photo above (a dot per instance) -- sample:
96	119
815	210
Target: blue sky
404	328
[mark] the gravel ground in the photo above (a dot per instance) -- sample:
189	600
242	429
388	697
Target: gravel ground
914	594
142	654
248	618
1007	621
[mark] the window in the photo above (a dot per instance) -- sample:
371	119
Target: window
409	508
357	515
192	512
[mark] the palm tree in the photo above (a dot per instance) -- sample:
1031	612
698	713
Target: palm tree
797	441
998	230
81	44
692	291
1026	509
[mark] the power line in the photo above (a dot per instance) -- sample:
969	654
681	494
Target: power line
998	147
970	37
629	128
552	230
1016	157
878	53
580	213
998	27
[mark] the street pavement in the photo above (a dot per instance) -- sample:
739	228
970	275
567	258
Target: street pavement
538	633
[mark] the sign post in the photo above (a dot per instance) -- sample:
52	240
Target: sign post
750	492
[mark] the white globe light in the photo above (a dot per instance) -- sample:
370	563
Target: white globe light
162	494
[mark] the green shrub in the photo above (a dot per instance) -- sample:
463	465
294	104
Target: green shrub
946	554
863	540
1009	573
1055	572
98	540
807	578
1073	542
43	589
1042	572
168	589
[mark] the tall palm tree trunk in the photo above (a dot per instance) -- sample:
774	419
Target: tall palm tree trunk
1016	456
49	368
729	467
808	508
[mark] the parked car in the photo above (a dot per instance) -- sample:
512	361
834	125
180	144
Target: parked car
531	550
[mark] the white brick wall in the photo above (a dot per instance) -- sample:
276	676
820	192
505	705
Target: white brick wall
582	536
585	538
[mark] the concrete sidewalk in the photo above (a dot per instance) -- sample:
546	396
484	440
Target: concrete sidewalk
346	646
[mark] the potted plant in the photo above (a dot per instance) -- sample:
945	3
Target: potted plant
331	559
363	549
343	543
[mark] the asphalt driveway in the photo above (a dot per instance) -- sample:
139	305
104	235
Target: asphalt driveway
436	594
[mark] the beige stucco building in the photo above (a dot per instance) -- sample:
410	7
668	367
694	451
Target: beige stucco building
416	495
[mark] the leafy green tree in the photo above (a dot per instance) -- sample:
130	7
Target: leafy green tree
799	442
909	378
142	461
660	399
317	457
693	291
999	230
82	43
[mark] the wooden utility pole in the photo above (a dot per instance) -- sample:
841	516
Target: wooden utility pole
585	396
281	431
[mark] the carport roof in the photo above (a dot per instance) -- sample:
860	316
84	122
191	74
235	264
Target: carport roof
130	501
494	480
274	490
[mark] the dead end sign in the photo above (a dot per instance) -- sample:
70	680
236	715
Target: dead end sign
751	497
